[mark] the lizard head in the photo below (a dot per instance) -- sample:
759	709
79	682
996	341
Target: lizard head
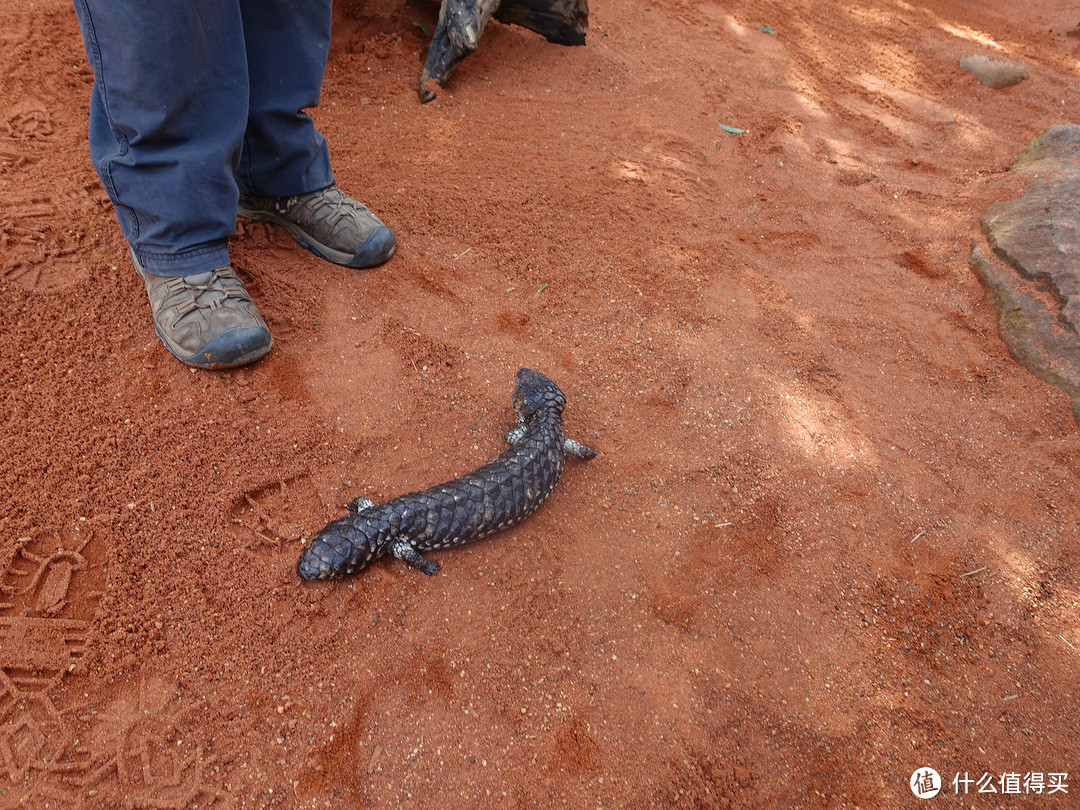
343	547
534	393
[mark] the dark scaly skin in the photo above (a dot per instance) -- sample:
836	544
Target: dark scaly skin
496	496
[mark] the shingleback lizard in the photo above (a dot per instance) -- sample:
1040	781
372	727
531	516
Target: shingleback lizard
499	494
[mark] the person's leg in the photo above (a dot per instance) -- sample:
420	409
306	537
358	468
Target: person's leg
285	173
167	117
286	44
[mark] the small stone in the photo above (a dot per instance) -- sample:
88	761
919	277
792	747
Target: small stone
993	73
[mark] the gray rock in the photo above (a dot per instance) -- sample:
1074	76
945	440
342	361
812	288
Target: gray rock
1036	283
993	73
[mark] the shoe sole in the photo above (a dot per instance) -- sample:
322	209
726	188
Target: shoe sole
379	247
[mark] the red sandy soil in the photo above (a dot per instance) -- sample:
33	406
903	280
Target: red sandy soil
831	536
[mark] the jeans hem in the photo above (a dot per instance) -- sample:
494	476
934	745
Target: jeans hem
200	259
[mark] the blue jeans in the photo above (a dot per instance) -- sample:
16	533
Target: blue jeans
196	102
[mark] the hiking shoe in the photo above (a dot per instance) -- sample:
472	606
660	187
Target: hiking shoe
206	319
327	222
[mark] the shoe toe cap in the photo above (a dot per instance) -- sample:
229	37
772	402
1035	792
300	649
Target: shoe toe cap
235	347
377	249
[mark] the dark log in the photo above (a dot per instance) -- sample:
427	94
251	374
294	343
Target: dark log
461	22
560	21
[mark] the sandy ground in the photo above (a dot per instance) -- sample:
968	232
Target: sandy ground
831	537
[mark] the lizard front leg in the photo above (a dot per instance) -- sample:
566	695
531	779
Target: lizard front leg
404	551
358	505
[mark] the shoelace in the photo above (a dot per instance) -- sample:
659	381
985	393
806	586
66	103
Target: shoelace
341	209
178	284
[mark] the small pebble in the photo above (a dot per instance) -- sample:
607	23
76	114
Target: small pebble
993	73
